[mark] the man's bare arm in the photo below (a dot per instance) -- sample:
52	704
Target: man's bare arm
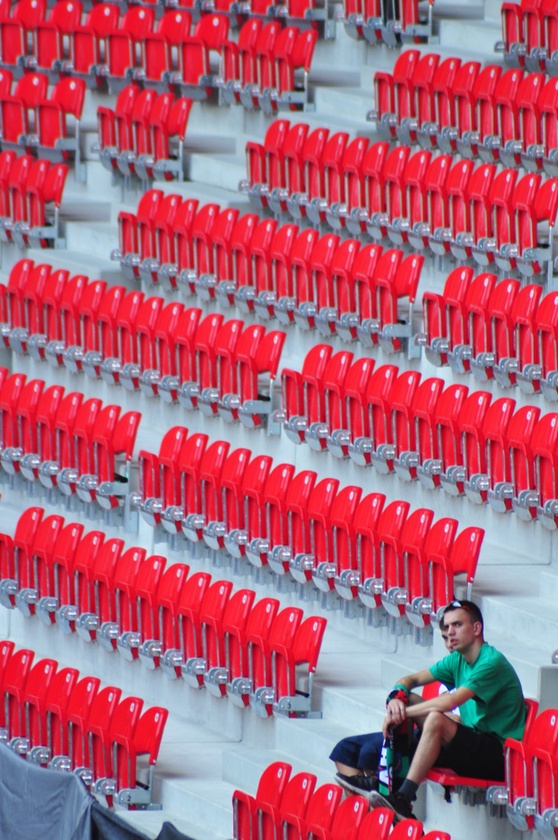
398	711
442	703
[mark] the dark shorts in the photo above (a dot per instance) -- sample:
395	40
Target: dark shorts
359	751
473	753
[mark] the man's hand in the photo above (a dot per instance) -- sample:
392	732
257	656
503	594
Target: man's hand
396	714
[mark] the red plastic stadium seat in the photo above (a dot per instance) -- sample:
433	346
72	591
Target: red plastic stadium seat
245	807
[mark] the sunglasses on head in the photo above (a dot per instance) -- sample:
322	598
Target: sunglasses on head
458	605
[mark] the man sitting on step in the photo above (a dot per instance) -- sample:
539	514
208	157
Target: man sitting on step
488	693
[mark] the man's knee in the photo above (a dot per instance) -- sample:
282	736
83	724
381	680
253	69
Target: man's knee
435	722
439	724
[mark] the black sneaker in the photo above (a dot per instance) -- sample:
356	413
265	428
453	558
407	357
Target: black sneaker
398	803
359	783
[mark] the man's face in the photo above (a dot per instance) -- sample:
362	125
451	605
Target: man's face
461	630
447	642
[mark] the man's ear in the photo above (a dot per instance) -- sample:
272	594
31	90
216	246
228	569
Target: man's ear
477	628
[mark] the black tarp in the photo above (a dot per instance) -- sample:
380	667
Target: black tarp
169	832
107	825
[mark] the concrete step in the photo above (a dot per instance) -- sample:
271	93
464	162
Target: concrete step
340	53
243	767
348	681
79	207
76	262
344	109
98	188
206	803
225	196
203	141
513	603
456	9
319	738
217	170
151	822
200	151
189	777
548	581
460	818
208	117
493	11
482	33
92	238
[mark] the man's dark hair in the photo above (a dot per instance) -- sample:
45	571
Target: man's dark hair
468	606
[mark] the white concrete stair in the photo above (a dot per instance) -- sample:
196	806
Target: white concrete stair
482	33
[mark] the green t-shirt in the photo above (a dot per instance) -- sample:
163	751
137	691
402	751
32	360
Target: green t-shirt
498	705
